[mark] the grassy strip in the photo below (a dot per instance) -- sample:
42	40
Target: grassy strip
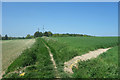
105	66
37	57
61	54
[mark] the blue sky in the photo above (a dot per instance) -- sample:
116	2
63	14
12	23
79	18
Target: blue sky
92	18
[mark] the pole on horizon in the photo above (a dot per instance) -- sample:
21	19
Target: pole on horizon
38	29
43	30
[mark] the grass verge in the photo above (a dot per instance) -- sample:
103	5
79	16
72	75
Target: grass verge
38	60
105	66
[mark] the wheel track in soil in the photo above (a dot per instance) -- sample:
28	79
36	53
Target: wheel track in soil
52	59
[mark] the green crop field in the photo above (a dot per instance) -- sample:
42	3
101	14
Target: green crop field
65	48
35	62
85	44
11	49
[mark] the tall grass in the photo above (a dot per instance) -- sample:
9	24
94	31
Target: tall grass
105	66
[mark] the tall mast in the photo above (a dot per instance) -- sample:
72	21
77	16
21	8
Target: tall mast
38	29
43	29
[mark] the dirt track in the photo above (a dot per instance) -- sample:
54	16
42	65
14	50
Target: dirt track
53	61
73	62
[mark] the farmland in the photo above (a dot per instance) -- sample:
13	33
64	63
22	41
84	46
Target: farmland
105	66
63	39
35	62
65	48
11	49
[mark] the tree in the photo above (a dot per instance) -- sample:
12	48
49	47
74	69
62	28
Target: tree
23	37
40	34
50	33
55	35
6	37
0	37
36	34
28	36
32	36
10	38
46	34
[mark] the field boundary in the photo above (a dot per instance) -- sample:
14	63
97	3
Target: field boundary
73	62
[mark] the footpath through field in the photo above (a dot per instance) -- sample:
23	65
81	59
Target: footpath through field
73	62
52	59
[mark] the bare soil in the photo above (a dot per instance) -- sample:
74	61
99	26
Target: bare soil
73	62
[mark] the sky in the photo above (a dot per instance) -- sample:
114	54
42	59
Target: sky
92	18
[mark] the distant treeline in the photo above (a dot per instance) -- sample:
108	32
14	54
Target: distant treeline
40	34
72	35
10	38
